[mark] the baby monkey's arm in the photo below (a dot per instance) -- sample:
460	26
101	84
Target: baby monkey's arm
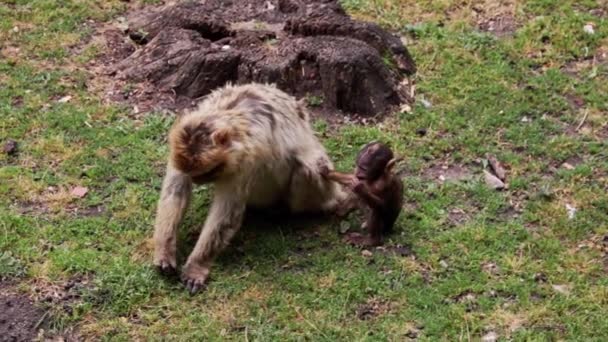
346	179
368	196
342	178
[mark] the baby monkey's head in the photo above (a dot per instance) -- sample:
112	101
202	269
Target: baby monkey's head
373	160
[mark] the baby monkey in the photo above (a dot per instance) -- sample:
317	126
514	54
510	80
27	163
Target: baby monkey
377	187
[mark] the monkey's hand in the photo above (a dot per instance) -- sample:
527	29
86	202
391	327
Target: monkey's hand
323	166
358	187
194	277
165	262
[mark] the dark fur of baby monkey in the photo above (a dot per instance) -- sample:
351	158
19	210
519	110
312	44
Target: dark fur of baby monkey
377	186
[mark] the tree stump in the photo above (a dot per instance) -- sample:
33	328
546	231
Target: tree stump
309	48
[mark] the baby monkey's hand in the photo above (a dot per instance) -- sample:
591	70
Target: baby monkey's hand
357	186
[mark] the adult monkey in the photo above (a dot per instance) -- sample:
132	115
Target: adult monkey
255	144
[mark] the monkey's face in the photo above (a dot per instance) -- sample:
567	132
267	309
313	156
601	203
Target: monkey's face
372	161
209	174
201	152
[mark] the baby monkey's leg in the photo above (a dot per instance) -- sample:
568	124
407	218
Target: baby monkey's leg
373	225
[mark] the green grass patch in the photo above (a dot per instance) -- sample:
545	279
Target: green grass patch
509	262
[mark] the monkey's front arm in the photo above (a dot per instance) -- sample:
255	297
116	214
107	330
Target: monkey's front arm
174	199
223	221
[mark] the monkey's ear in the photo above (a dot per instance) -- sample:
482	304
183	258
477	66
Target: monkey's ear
221	137
391	163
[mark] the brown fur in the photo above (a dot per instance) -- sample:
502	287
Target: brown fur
255	144
377	187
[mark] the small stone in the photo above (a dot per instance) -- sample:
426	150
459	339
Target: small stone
443	264
588	28
421	132
492	181
16	29
10	147
366	253
489	337
225	47
571	210
526	119
568	166
64	99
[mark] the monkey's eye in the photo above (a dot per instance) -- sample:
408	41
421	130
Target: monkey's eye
209	175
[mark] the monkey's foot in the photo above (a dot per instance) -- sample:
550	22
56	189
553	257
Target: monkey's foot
194	277
357	239
165	265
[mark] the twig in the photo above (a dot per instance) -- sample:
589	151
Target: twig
583	120
41	320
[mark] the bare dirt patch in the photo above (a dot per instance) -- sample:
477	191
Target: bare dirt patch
496	17
373	308
448	173
309	48
20	319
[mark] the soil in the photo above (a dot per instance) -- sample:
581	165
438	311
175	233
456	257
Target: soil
500	25
20	319
373	308
448	173
310	48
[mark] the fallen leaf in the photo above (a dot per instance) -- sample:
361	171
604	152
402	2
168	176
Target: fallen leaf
490	337
493	181
79	191
499	171
366	253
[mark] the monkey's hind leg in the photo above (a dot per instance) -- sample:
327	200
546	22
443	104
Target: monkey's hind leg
309	191
174	199
223	221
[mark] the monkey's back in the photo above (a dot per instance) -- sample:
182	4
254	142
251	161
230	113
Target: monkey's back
272	129
394	203
273	121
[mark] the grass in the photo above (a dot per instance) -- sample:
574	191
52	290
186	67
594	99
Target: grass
509	262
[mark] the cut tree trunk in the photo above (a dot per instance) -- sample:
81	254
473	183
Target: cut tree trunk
309	48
